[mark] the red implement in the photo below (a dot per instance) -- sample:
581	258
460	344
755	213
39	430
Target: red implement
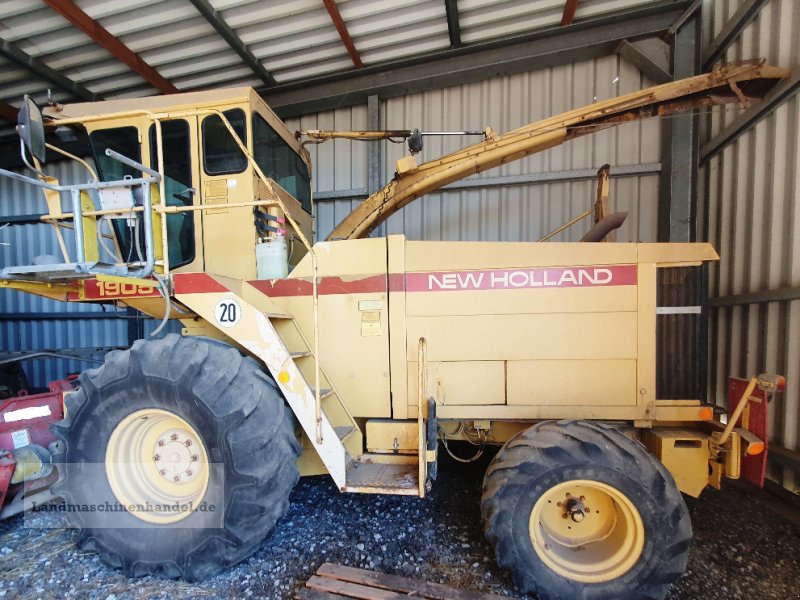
754	419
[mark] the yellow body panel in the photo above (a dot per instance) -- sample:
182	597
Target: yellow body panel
573	382
685	452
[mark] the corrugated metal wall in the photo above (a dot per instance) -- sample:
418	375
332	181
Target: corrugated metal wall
18	246
512	213
749	194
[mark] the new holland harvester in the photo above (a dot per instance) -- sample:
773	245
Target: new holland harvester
356	356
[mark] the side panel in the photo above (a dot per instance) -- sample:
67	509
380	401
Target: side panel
353	318
531	330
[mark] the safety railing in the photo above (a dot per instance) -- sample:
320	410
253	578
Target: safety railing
82	266
148	209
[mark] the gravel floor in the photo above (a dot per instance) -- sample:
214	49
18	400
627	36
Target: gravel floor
742	548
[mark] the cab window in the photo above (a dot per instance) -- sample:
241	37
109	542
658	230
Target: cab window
124	140
221	153
177	172
280	162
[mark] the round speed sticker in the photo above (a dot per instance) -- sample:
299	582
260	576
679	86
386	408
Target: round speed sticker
227	312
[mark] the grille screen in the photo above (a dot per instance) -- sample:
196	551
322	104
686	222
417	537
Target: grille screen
681	334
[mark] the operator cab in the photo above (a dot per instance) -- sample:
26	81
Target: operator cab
202	163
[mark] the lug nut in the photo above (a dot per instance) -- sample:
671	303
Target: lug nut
157	457
187	443
163	472
161	442
189	472
195	458
176	478
173	437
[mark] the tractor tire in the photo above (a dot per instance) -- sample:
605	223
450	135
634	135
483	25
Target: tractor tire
180	454
576	510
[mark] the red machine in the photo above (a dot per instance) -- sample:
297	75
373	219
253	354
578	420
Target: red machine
27	445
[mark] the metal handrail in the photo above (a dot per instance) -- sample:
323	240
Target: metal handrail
78	214
314	268
422	403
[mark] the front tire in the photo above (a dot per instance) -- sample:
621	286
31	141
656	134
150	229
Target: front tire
578	510
188	420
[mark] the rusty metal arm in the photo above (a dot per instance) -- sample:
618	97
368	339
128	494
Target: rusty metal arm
412	181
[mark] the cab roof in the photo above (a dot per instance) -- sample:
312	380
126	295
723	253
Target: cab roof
186	100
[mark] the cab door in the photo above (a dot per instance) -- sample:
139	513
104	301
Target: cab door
226	181
181	171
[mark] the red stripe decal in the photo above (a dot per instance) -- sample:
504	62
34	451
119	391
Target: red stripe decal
397	283
327	286
197	283
550	277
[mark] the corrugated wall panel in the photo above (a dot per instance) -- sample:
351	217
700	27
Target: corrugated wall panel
749	192
524	212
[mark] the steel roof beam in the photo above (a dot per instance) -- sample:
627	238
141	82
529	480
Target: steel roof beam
36	66
99	34
569	12
644	62
680	148
731	31
229	35
453	25
333	11
587	39
684	18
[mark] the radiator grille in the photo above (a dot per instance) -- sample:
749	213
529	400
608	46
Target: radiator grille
681	338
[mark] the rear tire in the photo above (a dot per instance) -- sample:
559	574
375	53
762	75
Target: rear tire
201	390
541	507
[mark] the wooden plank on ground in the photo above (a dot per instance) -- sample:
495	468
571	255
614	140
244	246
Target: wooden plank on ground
401	585
309	594
352	590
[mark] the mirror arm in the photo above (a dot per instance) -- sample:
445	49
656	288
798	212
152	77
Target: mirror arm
25	159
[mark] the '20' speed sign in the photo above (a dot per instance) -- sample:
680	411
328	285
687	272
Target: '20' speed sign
227	312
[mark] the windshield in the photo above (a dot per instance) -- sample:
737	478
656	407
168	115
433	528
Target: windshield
280	162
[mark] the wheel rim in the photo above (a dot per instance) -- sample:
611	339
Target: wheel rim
586	531
156	459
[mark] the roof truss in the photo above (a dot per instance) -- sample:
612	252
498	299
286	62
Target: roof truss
333	11
99	34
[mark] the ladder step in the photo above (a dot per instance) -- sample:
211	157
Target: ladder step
286	316
300	354
376	478
344	431
323	392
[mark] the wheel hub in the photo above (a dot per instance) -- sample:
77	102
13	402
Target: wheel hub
157	466
587	531
175	457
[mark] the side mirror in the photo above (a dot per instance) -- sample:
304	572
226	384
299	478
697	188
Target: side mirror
30	126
